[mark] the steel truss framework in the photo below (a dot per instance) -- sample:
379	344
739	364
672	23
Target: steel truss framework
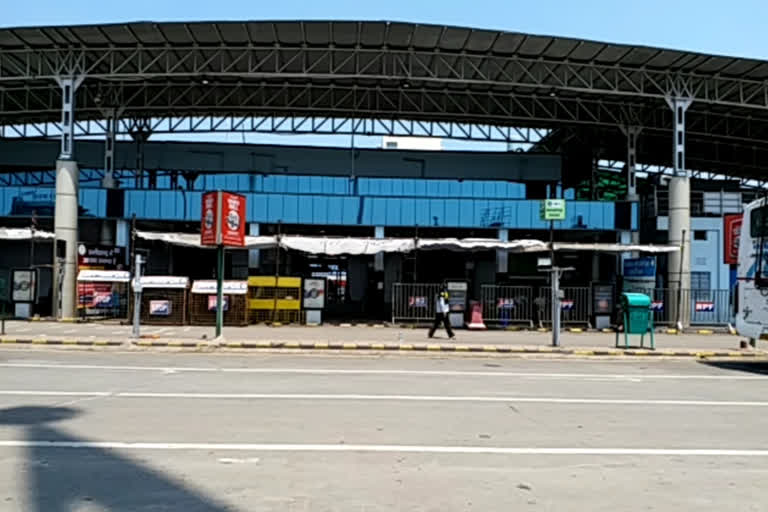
376	78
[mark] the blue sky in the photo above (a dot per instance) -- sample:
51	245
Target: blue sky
735	27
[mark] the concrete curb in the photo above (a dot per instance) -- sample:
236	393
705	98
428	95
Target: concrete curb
395	347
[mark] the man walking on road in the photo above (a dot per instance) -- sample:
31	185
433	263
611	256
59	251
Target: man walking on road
441	313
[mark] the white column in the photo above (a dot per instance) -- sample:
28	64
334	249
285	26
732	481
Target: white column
502	256
679	233
66	213
378	259
65	227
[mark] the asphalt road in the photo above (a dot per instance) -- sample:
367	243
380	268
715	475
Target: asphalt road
90	431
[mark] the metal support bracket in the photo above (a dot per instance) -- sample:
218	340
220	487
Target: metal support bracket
68	86
632	133
679	106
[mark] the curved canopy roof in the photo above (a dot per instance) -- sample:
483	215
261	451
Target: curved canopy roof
383	70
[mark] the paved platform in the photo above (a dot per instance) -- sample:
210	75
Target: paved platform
374	338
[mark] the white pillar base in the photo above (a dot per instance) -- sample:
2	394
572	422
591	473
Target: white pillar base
65	227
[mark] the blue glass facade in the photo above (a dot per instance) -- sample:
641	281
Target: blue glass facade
336	201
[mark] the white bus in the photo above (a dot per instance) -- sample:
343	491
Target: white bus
752	272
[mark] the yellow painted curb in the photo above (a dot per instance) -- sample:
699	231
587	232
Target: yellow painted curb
67	320
39	341
668	353
34	319
175	343
462	348
349	346
69	342
101	342
378	346
514	328
584	352
233	344
321	346
542	329
576	330
9	340
291	344
607	330
433	347
489	348
405	346
735	354
144	343
263	344
705	331
705	354
641	352
277	324
671	331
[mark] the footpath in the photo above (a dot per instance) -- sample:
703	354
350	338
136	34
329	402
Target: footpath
378	338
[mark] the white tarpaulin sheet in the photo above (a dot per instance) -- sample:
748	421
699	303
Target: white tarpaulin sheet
369	246
353	246
193	240
599	247
478	244
175	282
23	234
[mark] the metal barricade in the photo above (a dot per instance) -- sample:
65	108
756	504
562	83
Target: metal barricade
709	307
576	306
505	305
414	302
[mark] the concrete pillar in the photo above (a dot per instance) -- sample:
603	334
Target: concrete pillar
679	233
109	152
631	133
65	227
66	213
378	259
502	256
254	255
106	233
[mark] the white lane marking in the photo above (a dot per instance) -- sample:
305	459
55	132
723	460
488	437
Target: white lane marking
390	398
24	329
425	373
376	448
53	393
187	329
117	332
228	460
69	331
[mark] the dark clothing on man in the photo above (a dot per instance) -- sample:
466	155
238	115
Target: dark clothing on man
441	318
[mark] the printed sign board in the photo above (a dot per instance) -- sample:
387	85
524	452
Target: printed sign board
640	275
566	305
657	306
314	293
24	281
417	302
732	229
705	306
223	219
552	209
160	308
506	304
100	257
212	303
208	286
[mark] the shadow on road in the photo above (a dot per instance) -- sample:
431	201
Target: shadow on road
62	479
760	367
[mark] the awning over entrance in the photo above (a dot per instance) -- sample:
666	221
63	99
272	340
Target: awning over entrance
369	246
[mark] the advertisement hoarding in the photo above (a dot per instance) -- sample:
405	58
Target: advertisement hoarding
223	219
732	229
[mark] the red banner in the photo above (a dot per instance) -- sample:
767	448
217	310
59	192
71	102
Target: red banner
732	228
223	219
232	219
208	221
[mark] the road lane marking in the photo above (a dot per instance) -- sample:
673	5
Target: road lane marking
424	373
376	448
390	398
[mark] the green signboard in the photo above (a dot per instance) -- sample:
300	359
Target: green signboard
552	209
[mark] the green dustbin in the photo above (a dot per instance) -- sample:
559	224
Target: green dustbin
637	317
